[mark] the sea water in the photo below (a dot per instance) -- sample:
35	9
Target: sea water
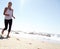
53	39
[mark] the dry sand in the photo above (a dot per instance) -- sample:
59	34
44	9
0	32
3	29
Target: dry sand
23	43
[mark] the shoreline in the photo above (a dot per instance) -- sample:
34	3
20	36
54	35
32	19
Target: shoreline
27	41
36	37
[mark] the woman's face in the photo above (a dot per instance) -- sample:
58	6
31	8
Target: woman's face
9	5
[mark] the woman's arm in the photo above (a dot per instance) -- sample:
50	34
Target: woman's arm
12	14
5	12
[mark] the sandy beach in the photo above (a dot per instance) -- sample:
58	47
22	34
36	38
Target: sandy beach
24	43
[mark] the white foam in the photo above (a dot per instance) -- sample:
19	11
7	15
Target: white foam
38	37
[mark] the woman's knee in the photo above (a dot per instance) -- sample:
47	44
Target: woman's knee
5	29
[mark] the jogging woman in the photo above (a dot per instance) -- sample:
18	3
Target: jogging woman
8	12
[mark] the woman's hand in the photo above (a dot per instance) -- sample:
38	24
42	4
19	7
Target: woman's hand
13	17
6	14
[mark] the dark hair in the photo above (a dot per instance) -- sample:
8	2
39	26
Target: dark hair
9	2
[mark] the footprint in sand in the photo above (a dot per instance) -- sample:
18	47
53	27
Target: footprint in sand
30	43
39	48
18	39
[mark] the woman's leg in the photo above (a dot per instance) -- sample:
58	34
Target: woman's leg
6	25
10	25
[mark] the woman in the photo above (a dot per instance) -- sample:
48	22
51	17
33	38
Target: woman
8	12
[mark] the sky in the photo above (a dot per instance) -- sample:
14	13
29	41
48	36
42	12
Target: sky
34	15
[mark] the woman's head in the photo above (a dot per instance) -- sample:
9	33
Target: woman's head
9	4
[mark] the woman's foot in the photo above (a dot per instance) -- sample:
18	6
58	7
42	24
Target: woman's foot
8	36
1	37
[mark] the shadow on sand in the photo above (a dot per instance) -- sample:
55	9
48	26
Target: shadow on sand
3	38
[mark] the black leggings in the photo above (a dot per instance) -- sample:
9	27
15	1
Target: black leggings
6	22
